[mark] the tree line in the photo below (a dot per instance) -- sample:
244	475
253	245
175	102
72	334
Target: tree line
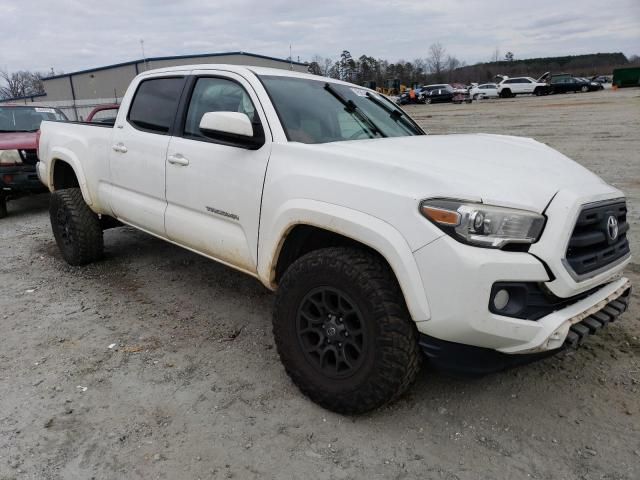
439	67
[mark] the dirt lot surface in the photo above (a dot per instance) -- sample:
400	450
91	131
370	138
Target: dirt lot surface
157	363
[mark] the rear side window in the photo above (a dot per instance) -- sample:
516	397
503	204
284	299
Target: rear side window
155	103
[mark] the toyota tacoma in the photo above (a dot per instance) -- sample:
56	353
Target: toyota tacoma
385	246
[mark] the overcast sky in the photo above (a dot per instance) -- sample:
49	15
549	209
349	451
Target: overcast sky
77	34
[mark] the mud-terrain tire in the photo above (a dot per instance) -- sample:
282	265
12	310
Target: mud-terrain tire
3	206
75	227
343	331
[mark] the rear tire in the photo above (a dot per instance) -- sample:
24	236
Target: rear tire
584	89
75	227
506	93
3	206
343	331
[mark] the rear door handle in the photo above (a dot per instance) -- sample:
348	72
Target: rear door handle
119	147
178	159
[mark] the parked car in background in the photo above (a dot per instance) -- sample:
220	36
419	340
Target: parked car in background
18	144
438	93
486	90
510	87
565	84
425	89
601	79
593	85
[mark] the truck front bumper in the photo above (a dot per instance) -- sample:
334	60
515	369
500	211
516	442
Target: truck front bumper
467	359
16	181
458	280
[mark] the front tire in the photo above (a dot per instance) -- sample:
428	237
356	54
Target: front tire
75	227
343	331
584	89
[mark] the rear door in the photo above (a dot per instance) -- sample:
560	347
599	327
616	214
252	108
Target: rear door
525	86
214	187
139	151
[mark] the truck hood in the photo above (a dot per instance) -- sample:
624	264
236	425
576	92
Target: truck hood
17	141
496	169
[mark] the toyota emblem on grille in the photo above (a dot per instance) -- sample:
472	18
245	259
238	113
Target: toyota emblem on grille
612	227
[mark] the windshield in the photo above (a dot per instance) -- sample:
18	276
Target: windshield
27	119
317	111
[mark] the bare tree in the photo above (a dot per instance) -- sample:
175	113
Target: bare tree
20	84
436	60
509	57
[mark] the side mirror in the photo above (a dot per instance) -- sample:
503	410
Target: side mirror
230	123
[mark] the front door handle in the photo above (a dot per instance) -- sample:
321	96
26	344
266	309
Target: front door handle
119	147
178	159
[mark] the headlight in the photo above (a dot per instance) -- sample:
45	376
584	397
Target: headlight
10	157
483	225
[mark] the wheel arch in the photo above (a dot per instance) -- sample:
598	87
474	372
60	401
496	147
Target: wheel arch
65	172
307	225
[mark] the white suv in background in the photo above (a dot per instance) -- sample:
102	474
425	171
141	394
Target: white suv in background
510	87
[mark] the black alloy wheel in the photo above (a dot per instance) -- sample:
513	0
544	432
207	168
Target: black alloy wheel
331	332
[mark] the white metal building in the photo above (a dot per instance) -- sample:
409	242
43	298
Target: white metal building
76	93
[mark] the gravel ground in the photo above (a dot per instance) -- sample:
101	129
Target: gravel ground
157	363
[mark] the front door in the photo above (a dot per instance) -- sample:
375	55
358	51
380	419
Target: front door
214	187
138	154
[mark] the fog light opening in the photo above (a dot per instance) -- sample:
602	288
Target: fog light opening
501	299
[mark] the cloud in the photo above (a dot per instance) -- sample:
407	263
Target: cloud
77	34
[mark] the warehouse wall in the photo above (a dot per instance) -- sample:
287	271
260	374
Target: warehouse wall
113	81
109	84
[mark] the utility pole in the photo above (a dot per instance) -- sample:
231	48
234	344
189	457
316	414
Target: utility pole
290	58
144	58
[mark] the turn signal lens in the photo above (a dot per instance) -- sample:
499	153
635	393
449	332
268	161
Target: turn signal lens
441	216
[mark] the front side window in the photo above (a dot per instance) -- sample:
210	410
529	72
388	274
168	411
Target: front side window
317	111
216	95
155	104
27	119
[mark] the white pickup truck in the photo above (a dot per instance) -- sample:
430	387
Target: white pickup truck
382	243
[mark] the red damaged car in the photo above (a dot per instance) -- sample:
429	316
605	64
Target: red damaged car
19	125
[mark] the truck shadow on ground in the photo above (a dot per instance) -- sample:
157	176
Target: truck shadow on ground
28	205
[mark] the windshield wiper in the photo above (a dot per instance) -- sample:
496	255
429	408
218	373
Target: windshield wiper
353	109
395	113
